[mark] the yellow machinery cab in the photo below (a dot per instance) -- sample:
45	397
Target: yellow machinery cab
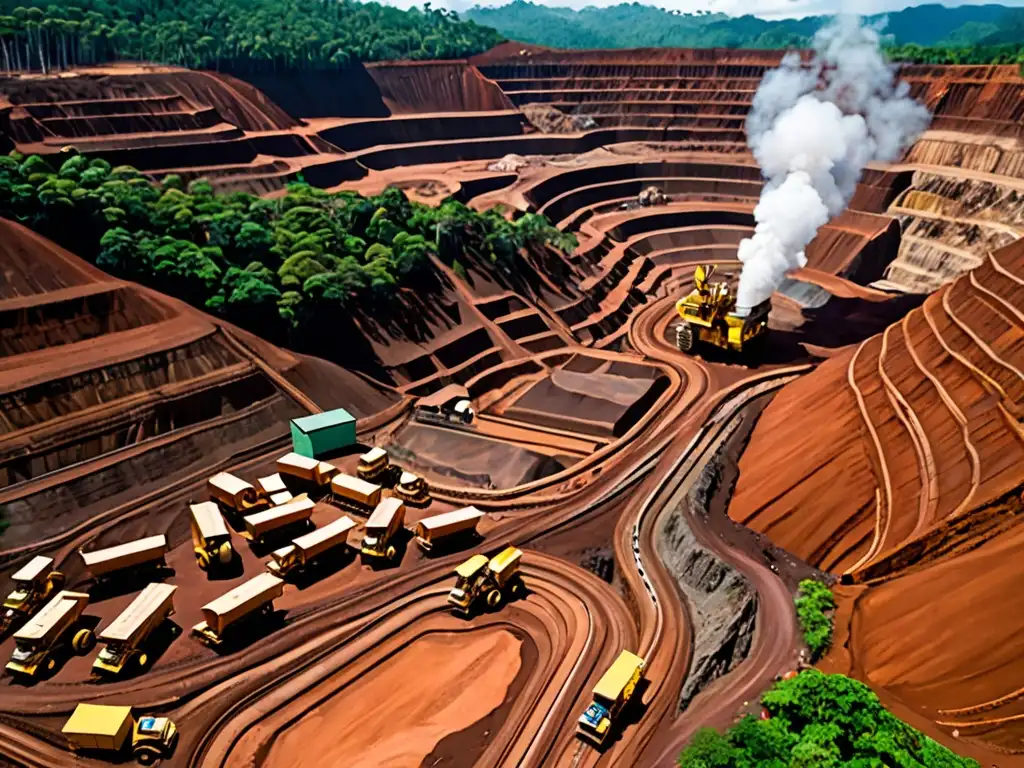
709	314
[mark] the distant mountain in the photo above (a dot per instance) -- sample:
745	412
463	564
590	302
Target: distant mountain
639	26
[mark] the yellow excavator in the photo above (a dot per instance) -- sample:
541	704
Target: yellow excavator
709	314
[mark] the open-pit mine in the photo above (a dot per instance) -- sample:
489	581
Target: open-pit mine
549	456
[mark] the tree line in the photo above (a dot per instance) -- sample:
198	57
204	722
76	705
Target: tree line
284	268
237	35
814	720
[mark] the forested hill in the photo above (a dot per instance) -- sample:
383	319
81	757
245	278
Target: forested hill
640	26
238	35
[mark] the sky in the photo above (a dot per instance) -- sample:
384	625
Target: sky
768	9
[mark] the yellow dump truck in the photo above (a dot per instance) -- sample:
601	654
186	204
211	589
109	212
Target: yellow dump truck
433	531
211	538
34	583
149	552
305	550
356	494
387	520
612	692
259	525
306	469
37	643
257	594
373	464
234	493
273	489
492	580
709	314
413	490
108	730
126	637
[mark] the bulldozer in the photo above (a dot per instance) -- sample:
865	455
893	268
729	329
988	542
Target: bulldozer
492	580
709	314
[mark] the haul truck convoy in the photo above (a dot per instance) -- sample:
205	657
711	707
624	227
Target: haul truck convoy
306	469
37	643
257	594
34	583
127	635
611	693
387	520
259	525
305	550
141	553
709	314
105	729
441	529
356	494
210	535
490	579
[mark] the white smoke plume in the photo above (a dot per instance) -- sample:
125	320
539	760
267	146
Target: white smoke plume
812	130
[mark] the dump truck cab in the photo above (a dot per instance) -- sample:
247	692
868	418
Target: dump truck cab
709	314
153	738
610	695
412	489
373	464
387	520
211	538
34	583
36	643
492	580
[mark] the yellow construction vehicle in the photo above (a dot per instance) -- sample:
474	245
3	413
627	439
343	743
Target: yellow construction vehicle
491	579
612	692
34	584
709	314
107	730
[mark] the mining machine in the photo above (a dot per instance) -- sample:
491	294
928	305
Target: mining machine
709	314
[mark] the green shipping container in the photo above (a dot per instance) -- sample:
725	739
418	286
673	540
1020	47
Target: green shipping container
323	433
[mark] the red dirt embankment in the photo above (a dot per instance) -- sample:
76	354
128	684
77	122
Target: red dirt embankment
910	485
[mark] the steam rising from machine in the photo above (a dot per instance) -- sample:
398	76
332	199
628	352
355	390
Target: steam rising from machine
813	129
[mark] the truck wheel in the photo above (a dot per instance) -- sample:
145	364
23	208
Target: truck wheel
147	755
684	337
83	641
517	588
202	559
142	660
494	598
391	552
224	553
51	664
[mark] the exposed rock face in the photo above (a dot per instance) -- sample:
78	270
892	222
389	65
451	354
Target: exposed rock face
723	603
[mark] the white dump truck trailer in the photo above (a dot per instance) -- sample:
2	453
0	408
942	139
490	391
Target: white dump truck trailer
441	529
306	469
34	583
260	524
358	495
387	520
37	643
149	552
234	493
228	610
273	489
211	538
306	550
126	637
